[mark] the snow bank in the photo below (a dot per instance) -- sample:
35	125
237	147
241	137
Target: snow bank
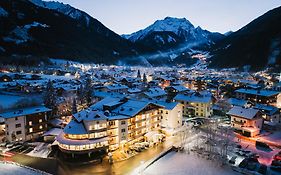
13	169
186	164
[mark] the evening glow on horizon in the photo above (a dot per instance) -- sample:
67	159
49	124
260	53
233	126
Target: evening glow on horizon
128	16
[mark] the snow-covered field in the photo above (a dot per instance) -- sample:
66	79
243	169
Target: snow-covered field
183	163
12	169
41	150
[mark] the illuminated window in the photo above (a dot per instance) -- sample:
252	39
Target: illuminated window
30	129
40	127
40	120
30	123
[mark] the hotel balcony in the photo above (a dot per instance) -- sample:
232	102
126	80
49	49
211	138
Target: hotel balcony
81	146
140	120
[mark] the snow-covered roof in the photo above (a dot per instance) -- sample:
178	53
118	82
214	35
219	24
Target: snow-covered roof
53	132
155	92
99	105
236	102
180	88
167	105
134	90
247	113
194	98
116	87
56	122
102	94
132	107
74	127
266	93
118	117
89	114
267	109
25	111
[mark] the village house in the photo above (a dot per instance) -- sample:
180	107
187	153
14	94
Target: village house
118	88
172	91
258	96
246	121
154	93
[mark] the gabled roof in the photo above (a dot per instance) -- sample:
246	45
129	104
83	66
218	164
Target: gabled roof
102	94
116	87
267	109
25	111
132	107
194	98
155	92
266	93
75	127
247	113
167	105
236	102
180	88
134	90
99	105
89	114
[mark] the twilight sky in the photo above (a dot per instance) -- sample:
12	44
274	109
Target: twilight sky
127	16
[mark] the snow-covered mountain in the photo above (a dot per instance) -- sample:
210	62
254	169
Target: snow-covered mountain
170	32
63	8
38	29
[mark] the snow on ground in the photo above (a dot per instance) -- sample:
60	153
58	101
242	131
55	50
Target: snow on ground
13	169
41	150
20	33
274	137
183	163
265	156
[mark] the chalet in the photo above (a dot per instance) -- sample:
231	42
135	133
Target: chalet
271	113
247	121
172	91
116	88
154	93
257	96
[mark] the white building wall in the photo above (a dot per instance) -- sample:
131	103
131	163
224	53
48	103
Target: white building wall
123	126
172	119
11	128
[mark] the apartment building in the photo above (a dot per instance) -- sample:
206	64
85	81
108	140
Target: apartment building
26	123
195	104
